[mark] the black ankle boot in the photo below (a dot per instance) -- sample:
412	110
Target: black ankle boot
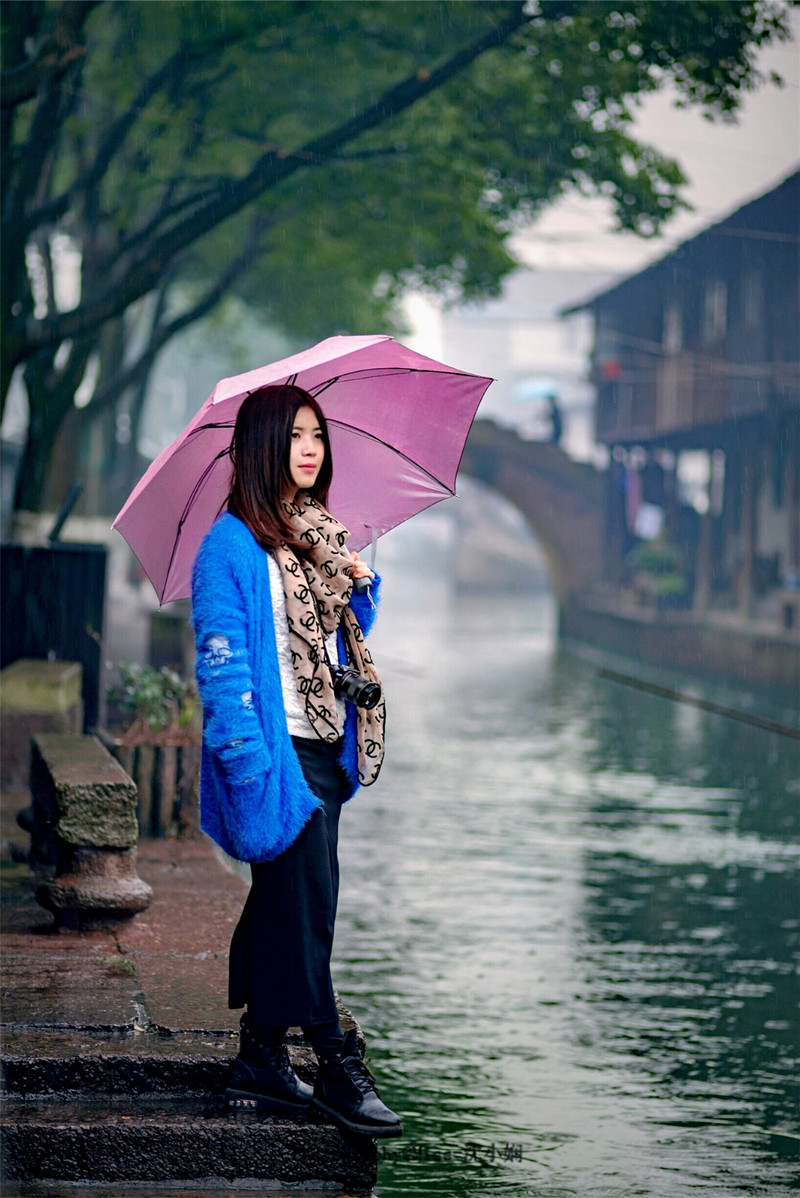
345	1090
262	1075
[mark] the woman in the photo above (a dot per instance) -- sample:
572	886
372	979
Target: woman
276	617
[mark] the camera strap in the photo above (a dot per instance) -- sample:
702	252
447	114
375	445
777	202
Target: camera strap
324	639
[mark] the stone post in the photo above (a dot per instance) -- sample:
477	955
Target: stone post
749	536
703	565
84	832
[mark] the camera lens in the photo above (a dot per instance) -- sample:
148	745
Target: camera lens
369	695
358	690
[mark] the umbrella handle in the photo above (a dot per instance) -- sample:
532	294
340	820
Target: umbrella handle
364	586
360	585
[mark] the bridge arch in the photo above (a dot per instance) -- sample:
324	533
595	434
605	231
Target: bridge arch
561	499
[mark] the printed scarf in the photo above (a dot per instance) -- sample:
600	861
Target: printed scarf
317	589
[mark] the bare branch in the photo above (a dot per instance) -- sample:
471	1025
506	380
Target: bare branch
271	169
112	142
108	394
57	53
165	213
169	73
312	160
366	155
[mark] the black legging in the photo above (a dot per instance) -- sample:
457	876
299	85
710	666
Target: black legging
281	948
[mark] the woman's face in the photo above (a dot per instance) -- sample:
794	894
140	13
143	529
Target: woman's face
306	451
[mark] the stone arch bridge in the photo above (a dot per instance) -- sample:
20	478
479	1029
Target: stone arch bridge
562	500
564	503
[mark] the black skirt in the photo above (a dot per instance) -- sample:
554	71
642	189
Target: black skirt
281	949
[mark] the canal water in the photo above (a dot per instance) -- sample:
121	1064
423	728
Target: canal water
569	917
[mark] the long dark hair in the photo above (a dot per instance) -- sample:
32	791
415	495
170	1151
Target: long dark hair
262	438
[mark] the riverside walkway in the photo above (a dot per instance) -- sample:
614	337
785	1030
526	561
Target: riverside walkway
117	1043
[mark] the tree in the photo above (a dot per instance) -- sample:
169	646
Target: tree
318	157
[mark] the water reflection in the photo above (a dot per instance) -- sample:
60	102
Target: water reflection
692	915
569	920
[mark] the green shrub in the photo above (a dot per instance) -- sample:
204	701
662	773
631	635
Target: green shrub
658	568
160	700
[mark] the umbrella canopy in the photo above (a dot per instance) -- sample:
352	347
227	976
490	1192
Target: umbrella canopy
397	420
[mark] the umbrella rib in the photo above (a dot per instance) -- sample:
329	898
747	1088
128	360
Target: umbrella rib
351	428
193	495
197	486
382	372
324	386
202	428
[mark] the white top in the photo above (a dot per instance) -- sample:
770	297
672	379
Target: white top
296	718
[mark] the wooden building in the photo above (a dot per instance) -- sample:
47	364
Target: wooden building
696	362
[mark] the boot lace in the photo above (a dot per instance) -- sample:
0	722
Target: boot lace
359	1075
280	1059
260	1052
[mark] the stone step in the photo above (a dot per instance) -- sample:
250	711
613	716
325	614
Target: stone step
110	1138
42	1062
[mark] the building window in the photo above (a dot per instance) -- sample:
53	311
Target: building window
672	334
752	299
717	482
715	311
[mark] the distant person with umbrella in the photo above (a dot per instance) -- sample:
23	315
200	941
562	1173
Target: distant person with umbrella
293	724
535	389
556	423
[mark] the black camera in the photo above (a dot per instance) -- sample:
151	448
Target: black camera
350	685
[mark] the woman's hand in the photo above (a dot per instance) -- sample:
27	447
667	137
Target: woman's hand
359	569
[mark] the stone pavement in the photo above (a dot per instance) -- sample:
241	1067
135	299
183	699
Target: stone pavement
117	1042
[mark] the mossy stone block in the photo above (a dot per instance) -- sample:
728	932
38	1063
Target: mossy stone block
38	686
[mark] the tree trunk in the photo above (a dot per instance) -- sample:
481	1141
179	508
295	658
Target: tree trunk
64	466
51	394
48	404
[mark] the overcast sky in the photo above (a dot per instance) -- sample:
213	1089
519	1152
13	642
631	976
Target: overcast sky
726	165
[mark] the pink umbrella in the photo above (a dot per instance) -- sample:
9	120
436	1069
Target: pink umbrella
398	422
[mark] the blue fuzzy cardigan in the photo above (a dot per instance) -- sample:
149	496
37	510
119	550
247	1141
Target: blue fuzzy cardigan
254	799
